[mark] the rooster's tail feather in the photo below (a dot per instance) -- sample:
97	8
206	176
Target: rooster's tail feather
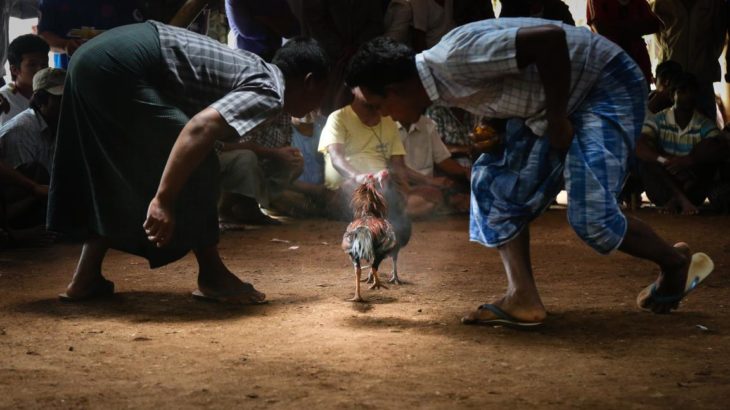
362	244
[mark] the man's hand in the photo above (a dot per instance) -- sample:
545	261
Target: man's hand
560	133
678	164
442	182
290	155
160	223
4	105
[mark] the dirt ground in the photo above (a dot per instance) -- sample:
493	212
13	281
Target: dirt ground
152	345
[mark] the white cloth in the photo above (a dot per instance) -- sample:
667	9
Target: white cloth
27	139
475	67
423	145
18	102
23	9
433	19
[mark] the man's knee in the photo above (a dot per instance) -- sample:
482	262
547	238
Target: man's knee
602	232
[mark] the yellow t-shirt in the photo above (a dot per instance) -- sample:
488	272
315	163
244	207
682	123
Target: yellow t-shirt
367	149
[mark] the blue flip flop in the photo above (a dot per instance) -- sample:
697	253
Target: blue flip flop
503	318
701	266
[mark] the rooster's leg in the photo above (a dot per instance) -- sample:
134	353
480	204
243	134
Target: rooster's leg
394	279
369	278
376	280
358	272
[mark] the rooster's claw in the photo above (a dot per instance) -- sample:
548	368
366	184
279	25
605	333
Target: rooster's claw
378	285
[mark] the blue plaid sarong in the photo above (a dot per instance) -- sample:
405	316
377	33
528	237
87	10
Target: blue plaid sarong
513	187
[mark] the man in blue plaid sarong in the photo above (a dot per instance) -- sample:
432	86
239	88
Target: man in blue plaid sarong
576	104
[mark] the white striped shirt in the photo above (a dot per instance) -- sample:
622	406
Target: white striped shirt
202	72
475	67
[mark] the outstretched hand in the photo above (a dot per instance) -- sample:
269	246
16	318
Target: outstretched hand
160	223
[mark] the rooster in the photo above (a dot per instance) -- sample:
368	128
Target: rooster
373	235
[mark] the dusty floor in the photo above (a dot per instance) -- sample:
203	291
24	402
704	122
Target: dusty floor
152	345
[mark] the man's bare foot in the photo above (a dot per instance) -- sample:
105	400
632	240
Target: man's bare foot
227	287
679	205
525	312
88	288
670	283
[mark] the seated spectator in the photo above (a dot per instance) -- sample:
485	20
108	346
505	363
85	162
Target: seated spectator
425	152
454	125
26	144
307	196
256	170
26	54
23	9
65	24
667	75
679	152
356	142
544	9
15	184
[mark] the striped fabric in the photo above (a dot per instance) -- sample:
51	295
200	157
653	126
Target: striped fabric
202	72
662	128
475	67
511	188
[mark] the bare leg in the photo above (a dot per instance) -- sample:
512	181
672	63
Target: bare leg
214	279
358	272
369	278
87	278
394	279
642	242
377	284
522	299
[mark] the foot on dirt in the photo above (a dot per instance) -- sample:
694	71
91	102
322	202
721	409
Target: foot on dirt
227	288
680	206
669	284
247	212
97	289
518	313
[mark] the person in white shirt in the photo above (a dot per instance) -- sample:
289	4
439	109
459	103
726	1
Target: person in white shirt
426	152
27	143
27	55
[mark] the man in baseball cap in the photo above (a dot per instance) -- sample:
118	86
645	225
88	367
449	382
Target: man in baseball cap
50	80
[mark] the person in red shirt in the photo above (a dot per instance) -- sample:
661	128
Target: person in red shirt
625	22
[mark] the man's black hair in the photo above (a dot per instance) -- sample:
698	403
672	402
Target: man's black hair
668	70
26	44
687	81
380	62
300	56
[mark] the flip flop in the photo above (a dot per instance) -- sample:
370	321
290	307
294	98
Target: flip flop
231	299
101	290
503	318
700	267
